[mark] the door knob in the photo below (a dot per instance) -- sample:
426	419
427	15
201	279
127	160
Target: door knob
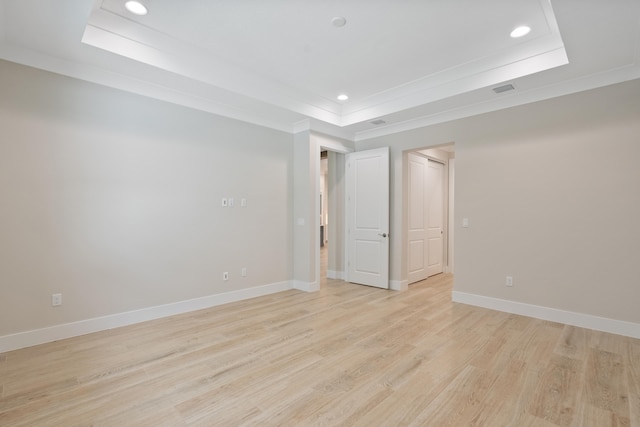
382	234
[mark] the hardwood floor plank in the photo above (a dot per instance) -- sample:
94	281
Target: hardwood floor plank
351	407
605	385
460	402
593	416
508	399
573	343
161	417
540	340
632	370
556	397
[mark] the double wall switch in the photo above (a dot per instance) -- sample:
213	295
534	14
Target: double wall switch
243	272
56	300
243	202
509	281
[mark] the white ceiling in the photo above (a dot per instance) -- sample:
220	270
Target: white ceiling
281	64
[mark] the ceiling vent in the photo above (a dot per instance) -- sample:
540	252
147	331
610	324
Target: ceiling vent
504	88
378	122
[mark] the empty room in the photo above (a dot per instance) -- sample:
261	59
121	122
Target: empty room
383	213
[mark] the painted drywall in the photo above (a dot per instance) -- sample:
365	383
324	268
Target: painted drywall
551	192
305	210
114	200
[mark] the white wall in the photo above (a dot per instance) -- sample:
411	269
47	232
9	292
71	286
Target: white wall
551	191
114	200
306	170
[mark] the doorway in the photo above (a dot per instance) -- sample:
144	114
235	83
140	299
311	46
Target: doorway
429	190
331	219
324	216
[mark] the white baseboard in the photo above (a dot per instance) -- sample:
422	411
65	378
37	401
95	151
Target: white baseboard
306	286
68	330
399	285
619	327
332	274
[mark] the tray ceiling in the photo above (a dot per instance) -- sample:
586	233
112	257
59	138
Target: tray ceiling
282	63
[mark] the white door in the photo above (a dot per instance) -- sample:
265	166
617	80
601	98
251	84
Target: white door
417	217
367	183
435	217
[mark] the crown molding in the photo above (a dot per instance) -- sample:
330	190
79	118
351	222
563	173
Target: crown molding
609	77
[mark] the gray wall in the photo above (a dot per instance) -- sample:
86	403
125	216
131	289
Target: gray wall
552	193
114	200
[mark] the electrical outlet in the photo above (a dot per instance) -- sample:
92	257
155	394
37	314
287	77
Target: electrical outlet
225	275
56	300
509	281
231	202
243	272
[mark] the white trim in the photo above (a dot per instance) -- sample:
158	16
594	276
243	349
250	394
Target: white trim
74	329
332	274
302	126
306	286
619	327
554	90
399	285
223	103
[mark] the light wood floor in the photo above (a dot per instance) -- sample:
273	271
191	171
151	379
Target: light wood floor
346	355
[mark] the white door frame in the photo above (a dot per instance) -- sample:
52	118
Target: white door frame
448	215
323	143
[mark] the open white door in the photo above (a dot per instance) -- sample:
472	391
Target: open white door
417	199
435	218
367	179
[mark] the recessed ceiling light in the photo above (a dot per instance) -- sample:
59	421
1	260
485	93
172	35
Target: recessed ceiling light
343	97
338	21
136	7
520	31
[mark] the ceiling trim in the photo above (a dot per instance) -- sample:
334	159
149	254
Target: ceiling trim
617	75
112	32
528	57
134	85
453	83
160	92
154	48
